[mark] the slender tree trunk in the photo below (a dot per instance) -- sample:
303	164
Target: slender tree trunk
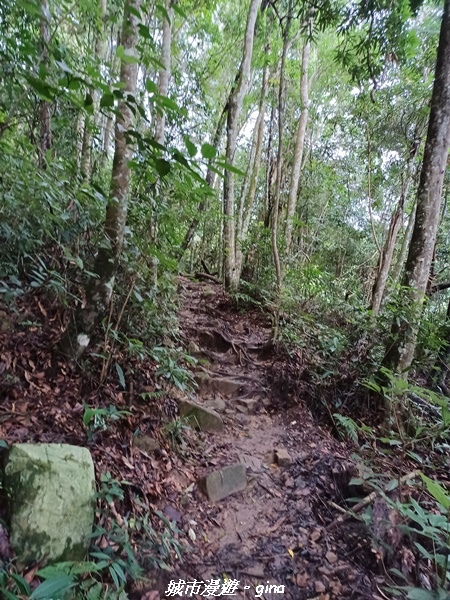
99	290
90	120
45	134
299	145
210	179
402	343
164	74
279	169
160	120
248	194
400	264
234	112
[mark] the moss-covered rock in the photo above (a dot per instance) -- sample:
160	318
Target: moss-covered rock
52	488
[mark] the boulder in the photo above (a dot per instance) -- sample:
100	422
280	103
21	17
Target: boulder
202	417
224	482
52	493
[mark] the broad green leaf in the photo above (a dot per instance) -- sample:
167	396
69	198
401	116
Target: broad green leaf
208	151
42	89
446	415
229	167
107	100
162	166
191	147
89	104
53	589
417	594
437	491
151	87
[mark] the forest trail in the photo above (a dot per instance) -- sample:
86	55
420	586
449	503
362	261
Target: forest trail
274	532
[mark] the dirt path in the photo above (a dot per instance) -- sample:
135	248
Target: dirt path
274	531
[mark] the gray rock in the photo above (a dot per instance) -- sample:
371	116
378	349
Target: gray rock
201	417
208	383
249	405
52	489
216	404
282	457
146	443
193	348
224	482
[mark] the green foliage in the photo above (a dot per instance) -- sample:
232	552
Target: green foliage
175	431
346	427
100	418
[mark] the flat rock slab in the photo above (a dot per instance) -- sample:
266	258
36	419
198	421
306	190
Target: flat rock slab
52	489
210	383
202	417
224	482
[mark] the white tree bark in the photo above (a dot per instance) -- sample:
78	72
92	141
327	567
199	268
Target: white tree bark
299	145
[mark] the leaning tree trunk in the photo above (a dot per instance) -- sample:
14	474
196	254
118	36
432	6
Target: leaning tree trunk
45	133
402	343
99	290
385	259
299	145
234	112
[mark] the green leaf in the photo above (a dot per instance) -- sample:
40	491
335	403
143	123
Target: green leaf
89	104
437	491
126	58
3	444
190	146
53	589
446	415
121	375
151	87
230	168
21	583
179	10
107	100
162	166
417	594
42	89
208	151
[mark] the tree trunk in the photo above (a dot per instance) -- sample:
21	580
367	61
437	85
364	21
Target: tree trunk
279	165
299	145
160	120
45	134
210	178
402	343
164	74
248	194
234	112
99	290
90	120
399	265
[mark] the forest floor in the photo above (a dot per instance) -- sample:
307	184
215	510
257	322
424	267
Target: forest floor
275	531
282	529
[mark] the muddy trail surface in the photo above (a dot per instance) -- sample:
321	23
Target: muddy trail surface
277	537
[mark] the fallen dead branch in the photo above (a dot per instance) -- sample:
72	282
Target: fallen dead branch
348	514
